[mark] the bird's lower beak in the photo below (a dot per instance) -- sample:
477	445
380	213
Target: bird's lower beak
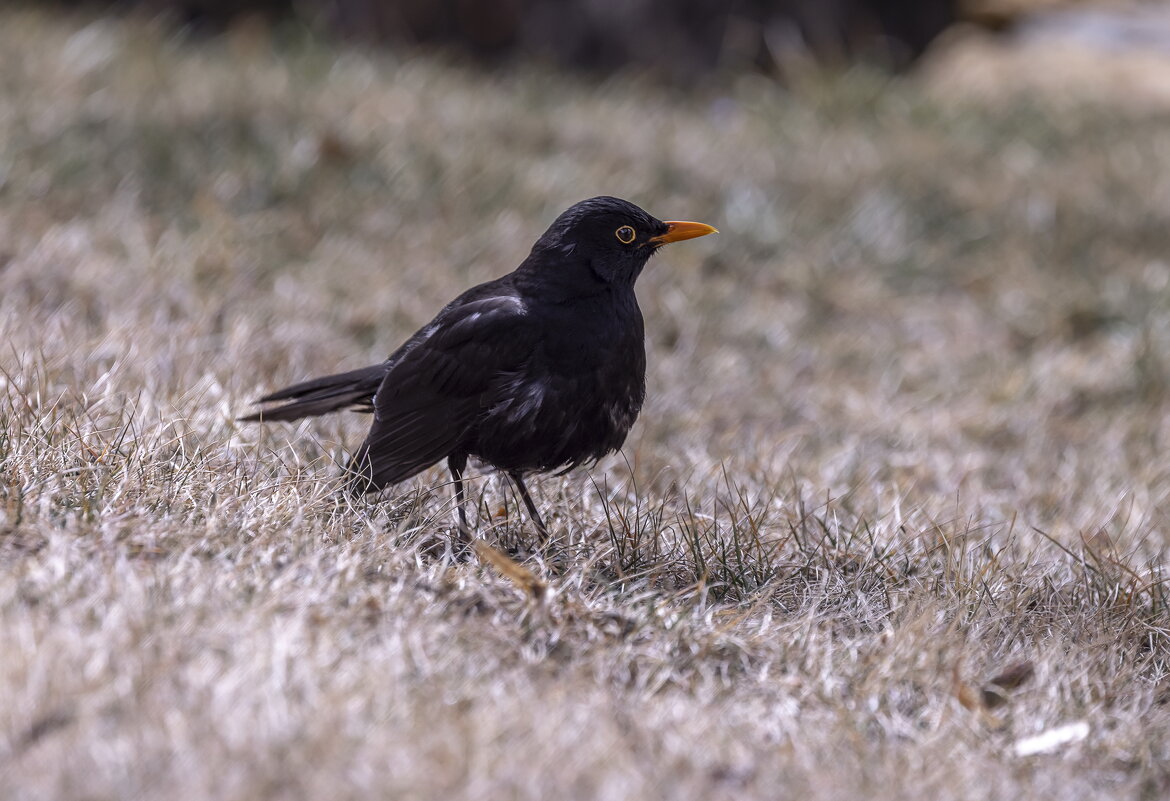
678	230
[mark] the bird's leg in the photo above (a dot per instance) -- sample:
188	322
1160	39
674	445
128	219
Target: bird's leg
456	464
535	515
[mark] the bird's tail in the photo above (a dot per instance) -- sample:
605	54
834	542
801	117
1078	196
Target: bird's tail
352	390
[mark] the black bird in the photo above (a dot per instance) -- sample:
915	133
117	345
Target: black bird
542	369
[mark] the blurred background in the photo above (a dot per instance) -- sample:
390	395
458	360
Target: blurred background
681	40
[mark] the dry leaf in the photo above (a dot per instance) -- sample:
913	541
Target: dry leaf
965	692
995	692
521	576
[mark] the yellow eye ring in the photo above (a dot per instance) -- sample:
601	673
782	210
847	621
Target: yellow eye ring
625	234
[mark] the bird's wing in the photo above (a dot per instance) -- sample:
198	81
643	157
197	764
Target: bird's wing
432	392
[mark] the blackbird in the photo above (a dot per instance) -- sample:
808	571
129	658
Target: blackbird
542	369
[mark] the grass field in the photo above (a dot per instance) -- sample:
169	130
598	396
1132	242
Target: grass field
899	500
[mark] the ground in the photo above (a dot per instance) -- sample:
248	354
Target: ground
898	501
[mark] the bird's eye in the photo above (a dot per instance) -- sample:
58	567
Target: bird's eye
625	234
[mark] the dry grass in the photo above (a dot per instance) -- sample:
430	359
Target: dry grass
907	429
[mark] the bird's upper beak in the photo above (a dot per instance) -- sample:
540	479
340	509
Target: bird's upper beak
678	230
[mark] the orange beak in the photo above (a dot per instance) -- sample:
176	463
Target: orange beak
678	230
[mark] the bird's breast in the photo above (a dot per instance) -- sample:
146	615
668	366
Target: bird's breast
573	401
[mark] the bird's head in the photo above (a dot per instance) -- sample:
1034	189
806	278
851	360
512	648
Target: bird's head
610	237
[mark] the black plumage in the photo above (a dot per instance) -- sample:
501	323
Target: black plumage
542	369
